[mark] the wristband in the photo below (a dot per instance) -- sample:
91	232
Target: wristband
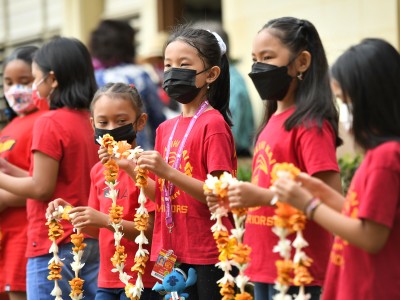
311	207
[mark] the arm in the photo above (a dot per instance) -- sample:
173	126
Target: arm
10	200
334	184
365	234
246	194
12	170
40	186
91	220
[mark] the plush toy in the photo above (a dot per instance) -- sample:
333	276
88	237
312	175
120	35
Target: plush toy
175	283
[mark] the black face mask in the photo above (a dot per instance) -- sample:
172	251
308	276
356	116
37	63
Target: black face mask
271	82
123	133
180	84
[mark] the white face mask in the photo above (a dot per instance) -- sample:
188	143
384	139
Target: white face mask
19	97
346	116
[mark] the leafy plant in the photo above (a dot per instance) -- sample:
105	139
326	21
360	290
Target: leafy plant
348	165
244	171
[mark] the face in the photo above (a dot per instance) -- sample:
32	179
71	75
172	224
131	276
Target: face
44	83
268	49
110	113
17	72
179	54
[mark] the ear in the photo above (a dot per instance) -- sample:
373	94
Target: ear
141	122
54	82
213	74
92	122
303	61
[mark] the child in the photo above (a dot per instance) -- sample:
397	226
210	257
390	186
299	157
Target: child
300	126
63	153
16	140
365	255
117	110
189	147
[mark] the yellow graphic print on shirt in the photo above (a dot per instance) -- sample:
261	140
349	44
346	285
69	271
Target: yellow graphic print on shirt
6	145
187	169
263	165
350	209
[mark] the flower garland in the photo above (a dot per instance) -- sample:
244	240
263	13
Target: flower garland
231	248
286	221
55	264
122	150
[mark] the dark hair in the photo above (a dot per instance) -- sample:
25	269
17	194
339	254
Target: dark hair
25	54
210	53
120	90
314	99
368	75
70	61
113	43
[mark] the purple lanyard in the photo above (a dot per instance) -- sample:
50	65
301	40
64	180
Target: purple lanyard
169	186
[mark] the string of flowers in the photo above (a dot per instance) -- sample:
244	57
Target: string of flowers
120	150
286	221
231	248
55	264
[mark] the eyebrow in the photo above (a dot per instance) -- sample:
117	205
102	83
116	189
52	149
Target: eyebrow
262	52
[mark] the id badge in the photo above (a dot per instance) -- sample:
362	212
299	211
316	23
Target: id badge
165	263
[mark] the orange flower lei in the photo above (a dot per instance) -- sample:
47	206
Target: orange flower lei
55	264
123	150
231	248
286	221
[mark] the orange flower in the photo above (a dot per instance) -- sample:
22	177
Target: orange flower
55	230
284	270
109	143
243	296
140	264
302	276
77	240
241	254
115	213
287	170
141	177
111	170
119	256
141	221
55	271
227	290
76	286
122	149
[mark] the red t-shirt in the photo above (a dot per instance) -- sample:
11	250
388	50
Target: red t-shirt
374	194
209	147
128	195
67	136
312	150
15	147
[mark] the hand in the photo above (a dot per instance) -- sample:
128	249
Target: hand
154	162
83	216
103	154
291	192
53	206
245	194
4	166
213	202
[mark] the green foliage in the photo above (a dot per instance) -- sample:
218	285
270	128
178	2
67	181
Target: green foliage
348	165
244	171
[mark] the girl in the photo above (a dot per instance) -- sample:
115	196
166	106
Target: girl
189	147
63	154
300	126
118	110
364	259
16	140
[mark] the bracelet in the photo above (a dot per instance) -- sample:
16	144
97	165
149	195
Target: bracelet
310	207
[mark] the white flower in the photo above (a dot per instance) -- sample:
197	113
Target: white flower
299	242
141	253
53	248
238	233
225	265
241	281
111	185
218	227
100	141
118	268
56	292
283	248
226	278
124	277
76	266
112	194
139	282
142	198
117	237
141	210
299	257
141	238
280	231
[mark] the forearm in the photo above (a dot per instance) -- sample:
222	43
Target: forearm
11	200
24	187
364	234
189	185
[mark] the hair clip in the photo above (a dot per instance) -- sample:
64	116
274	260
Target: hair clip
132	85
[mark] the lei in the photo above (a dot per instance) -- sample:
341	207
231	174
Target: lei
232	251
55	264
286	221
123	149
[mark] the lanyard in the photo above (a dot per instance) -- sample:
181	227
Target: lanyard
169	186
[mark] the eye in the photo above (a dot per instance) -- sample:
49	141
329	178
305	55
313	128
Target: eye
167	66
266	58
102	123
121	121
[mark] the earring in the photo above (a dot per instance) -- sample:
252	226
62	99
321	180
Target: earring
300	76
208	87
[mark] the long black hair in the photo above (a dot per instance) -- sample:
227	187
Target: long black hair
210	53
25	54
314	99
369	75
71	63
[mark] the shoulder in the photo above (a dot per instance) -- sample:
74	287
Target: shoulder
386	155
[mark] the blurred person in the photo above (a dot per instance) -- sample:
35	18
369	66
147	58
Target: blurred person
152	60
239	99
364	261
112	46
62	154
15	141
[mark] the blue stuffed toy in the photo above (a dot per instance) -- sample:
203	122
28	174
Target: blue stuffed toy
175	283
